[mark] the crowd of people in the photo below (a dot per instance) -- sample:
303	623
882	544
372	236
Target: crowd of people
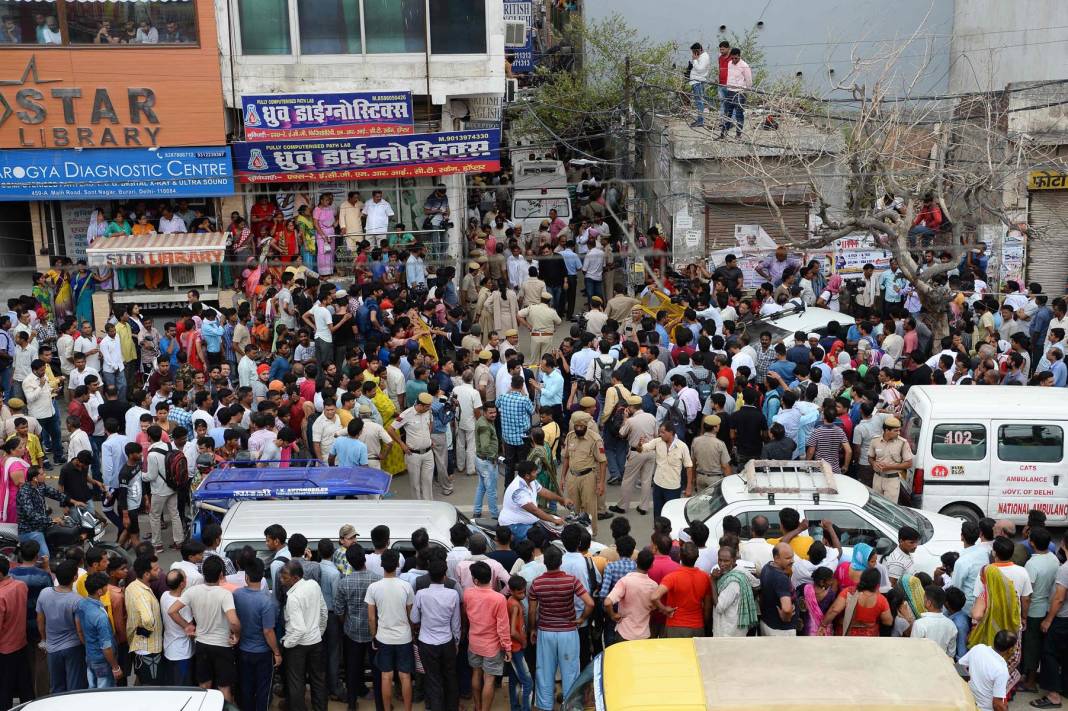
414	371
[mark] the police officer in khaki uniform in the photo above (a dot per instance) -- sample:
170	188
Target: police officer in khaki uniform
510	343
711	460
469	289
890	457
584	415
418	449
583	471
542	321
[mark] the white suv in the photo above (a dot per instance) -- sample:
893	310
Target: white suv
858	514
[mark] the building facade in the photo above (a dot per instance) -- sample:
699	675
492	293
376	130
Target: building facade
93	117
448	56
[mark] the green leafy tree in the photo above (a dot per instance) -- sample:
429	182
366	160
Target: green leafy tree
590	100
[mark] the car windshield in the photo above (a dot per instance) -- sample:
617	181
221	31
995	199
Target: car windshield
897	516
539	207
778	335
705	505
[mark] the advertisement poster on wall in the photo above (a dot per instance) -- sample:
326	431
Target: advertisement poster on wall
1007	252
310	116
425	154
845	256
76	215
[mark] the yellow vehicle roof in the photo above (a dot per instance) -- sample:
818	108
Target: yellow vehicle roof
782	674
656	300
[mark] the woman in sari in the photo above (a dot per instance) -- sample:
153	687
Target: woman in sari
848	572
83	282
125	278
862	610
12	475
306	233
43	293
393	463
828	297
325	217
542	456
912	606
819	596
153	276
284	238
59	277
997	608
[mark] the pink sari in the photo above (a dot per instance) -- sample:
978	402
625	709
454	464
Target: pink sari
815	613
9	489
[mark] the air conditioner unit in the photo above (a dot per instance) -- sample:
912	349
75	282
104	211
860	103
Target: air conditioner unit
515	34
510	90
189	275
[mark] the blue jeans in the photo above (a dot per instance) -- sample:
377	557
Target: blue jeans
66	670
519	676
179	672
36	536
733	110
5	382
519	531
594	287
661	496
51	439
256	670
616	451
557	292
118	379
99	675
97	443
555	650
699	101
487	486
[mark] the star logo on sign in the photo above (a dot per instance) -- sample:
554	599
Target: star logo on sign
30	72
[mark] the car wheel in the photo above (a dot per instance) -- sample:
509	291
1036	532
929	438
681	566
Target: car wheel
964	512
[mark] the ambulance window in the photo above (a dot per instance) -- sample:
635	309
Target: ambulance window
964	442
912	424
1030	443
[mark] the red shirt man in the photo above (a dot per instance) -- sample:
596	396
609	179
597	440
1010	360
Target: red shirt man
688	592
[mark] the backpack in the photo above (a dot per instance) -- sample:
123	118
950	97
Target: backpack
703	387
676	417
176	470
615	420
602	372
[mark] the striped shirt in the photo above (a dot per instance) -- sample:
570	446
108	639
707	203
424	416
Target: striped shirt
828	440
555	593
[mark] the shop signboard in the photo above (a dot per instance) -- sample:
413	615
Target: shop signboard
419	155
319	116
104	174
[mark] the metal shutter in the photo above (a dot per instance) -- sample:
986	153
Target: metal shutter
1047	259
720	219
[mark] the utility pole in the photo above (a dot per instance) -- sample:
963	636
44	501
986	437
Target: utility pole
628	149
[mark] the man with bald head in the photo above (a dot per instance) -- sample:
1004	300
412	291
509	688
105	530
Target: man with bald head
778	614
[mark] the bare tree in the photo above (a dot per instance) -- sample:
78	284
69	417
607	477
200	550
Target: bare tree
887	142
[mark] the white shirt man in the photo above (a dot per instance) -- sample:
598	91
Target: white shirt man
111	351
378	212
83	344
323	320
518	494
938	628
701	71
305	615
518	270
989	675
593	264
64	350
172	225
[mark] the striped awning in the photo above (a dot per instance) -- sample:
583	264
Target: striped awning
157	250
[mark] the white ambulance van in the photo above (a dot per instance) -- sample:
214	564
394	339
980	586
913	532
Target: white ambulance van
993	451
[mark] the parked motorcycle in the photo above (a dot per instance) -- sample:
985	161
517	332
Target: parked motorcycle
80	527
